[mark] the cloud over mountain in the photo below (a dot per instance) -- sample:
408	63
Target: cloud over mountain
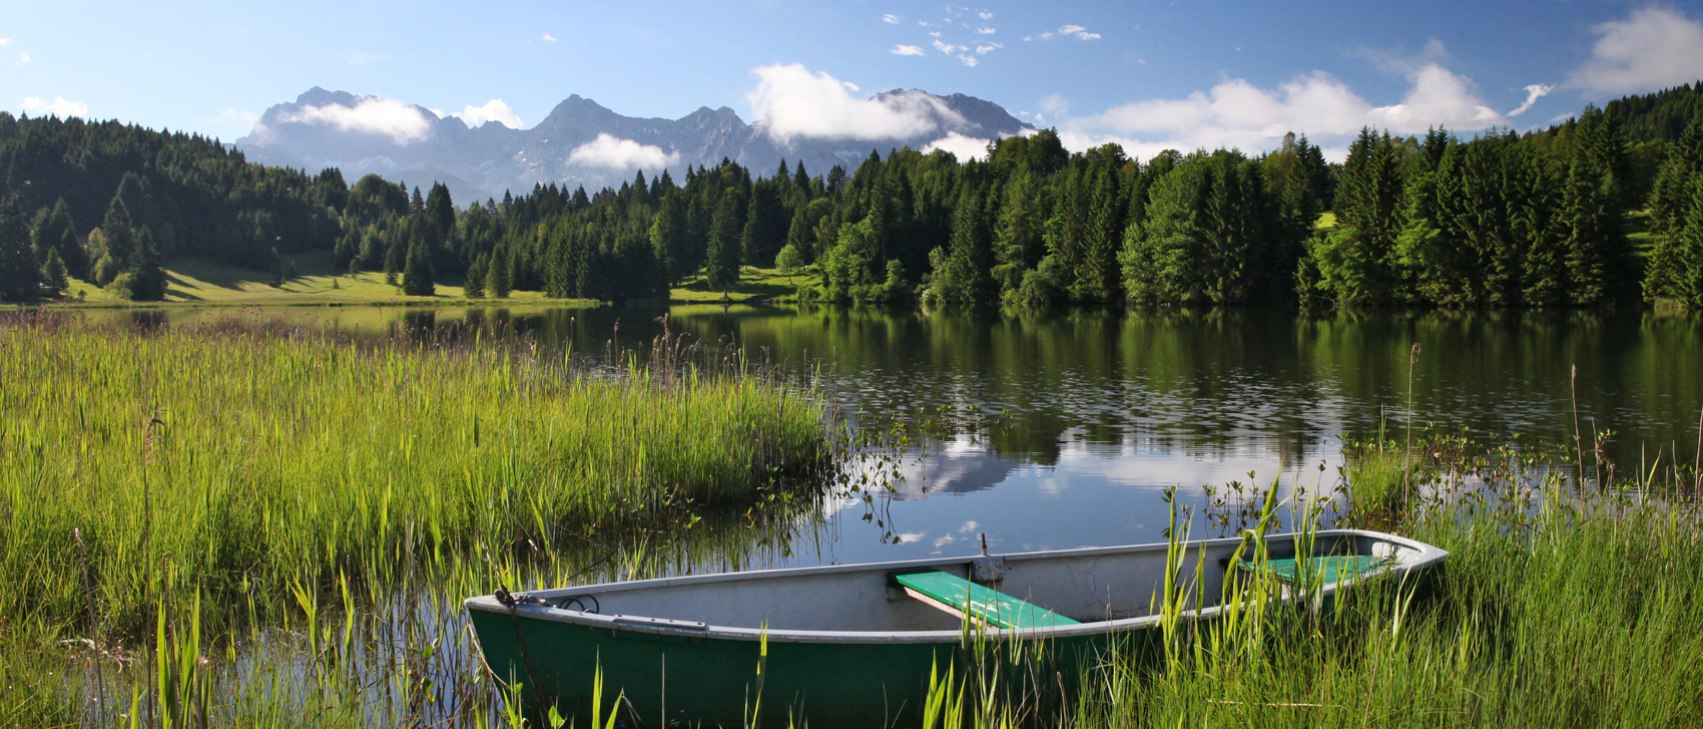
402	123
790	102
611	152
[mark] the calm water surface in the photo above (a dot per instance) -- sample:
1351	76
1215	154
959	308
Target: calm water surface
1064	430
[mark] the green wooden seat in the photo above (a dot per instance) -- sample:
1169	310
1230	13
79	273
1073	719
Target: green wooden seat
964	598
1334	568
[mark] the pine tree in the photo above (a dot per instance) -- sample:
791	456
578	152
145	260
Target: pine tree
474	285
499	275
417	276
54	230
20	276
1098	281
962	274
1676	254
669	236
54	275
722	268
1017	244
145	279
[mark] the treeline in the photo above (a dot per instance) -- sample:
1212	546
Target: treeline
1501	220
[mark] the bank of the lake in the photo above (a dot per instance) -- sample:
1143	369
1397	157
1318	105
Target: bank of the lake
149	473
295	529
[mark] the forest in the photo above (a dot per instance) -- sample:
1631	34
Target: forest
1604	208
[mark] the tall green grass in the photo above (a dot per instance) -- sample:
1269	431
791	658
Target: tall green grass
230	481
1562	603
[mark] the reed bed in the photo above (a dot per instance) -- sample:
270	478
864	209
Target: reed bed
192	489
1566	601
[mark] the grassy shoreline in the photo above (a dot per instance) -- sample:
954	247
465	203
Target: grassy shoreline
250	460
277	526
202	282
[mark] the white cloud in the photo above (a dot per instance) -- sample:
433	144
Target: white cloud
547	38
790	101
985	15
962	147
1653	48
890	19
621	154
1533	93
1235	113
907	50
23	58
986	30
983	49
370	115
59	106
5	42
494	110
969	61
1438	98
1054	104
1074	31
946	48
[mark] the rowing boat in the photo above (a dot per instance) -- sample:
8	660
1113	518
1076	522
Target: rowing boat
856	645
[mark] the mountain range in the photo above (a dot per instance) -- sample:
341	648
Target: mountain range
584	143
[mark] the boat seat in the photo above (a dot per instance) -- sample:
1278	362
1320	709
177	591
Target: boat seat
967	599
1335	568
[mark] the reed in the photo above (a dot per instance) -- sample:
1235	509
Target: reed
228	482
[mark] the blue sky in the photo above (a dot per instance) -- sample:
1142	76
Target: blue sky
1146	74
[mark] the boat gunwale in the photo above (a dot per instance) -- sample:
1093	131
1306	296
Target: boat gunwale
1425	556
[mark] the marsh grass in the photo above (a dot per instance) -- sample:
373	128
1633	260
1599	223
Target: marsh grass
274	521
1562	603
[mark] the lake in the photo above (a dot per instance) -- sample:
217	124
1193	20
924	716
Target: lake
1065	430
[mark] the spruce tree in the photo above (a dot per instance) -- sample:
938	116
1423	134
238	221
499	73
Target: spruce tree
54	275
20	275
417	276
499	274
474	285
145	279
722	268
54	230
962	274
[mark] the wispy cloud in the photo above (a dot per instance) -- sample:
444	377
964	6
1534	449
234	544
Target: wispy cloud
985	15
1655	47
791	102
983	49
968	60
402	123
5	42
495	110
1533	93
986	30
962	147
1078	32
902	49
890	19
946	48
59	106
611	152
547	38
23	58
